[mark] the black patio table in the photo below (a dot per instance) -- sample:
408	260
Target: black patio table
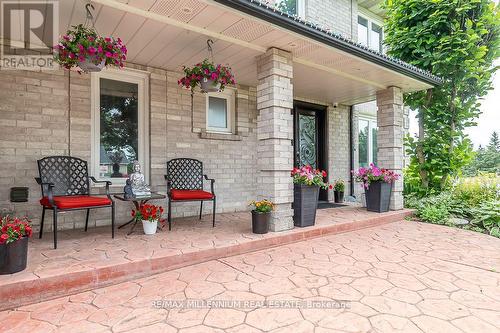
137	203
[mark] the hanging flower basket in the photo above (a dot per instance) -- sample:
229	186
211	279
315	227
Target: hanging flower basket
208	76
83	49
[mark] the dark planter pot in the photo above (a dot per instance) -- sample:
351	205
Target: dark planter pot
260	222
305	202
13	256
378	197
339	196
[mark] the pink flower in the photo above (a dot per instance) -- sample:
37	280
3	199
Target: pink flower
91	50
108	54
107	39
99	49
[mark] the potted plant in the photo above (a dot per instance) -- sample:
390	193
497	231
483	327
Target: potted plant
83	49
338	191
306	184
208	76
261	215
14	234
377	183
150	215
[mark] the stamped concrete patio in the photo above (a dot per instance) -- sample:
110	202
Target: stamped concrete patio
89	260
398	277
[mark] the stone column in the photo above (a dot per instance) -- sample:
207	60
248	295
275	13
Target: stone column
275	134
390	138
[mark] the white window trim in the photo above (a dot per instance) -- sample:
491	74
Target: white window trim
301	8
372	123
140	78
372	20
229	94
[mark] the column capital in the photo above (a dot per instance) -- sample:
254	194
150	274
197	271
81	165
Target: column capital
390	96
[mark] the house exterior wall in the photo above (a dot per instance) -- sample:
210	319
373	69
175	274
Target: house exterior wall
49	113
338	15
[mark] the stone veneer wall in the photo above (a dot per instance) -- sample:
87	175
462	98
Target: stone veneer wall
48	113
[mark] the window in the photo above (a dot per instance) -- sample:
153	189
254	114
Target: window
376	37
362	30
220	111
292	7
119	131
370	33
367	142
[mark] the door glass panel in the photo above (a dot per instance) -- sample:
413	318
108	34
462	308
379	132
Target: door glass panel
363	143
118	128
307	140
374	144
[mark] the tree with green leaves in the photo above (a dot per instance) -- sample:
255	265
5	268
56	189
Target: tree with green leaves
485	159
457	40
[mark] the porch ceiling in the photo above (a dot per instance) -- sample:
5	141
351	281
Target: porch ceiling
171	33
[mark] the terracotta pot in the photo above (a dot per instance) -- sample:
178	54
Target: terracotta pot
260	222
14	256
209	85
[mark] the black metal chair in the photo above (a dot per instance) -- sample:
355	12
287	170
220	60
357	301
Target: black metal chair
185	183
65	187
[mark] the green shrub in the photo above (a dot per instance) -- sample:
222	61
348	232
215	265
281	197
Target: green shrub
476	199
434	214
472	191
487	216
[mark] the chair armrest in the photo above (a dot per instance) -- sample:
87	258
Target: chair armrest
212	181
169	183
49	187
107	182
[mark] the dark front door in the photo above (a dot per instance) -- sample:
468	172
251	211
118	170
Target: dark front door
310	137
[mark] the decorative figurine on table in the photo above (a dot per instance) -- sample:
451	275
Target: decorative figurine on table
138	183
127	190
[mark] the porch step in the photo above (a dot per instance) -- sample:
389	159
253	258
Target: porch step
27	287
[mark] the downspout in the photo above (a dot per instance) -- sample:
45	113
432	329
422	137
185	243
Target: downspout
351	153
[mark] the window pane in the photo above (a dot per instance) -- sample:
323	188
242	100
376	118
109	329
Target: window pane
376	38
217	113
374	143
119	128
363	143
287	6
362	30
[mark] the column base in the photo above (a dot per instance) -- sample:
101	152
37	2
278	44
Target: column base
281	219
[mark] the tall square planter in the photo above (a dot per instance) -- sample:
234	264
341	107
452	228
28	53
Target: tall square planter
305	203
378	196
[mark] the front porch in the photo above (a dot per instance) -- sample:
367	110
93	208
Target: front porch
89	260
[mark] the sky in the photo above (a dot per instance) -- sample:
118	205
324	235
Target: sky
488	121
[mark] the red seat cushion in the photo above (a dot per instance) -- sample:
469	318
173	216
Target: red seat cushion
190	195
76	201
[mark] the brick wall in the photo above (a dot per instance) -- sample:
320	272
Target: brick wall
338	15
338	146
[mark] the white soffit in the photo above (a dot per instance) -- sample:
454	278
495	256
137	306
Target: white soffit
171	33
